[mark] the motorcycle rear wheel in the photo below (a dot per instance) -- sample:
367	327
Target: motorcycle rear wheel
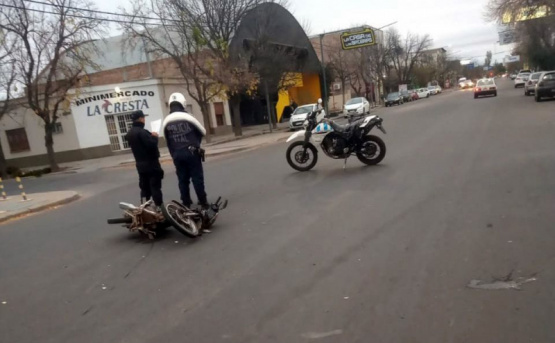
176	214
371	151
297	161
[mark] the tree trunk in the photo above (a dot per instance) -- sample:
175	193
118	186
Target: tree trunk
205	110
3	163
49	142
235	102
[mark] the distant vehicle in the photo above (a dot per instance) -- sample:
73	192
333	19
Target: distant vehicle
485	87
525	71
439	90
356	106
461	80
433	90
423	93
521	79
545	86
406	96
393	99
414	94
530	85
466	84
513	76
298	116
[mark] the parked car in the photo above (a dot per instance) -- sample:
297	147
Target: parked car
485	87
393	99
356	106
438	89
521	79
414	94
298	116
432	89
545	86
530	85
461	81
423	93
406	96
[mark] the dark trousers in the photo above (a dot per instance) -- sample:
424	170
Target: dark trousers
188	166
151	186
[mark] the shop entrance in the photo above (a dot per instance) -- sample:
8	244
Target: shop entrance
118	125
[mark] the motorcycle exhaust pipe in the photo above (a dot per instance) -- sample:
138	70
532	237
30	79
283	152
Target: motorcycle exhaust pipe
127	207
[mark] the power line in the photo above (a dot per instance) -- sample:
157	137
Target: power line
100	12
68	15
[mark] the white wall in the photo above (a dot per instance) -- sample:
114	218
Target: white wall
34	127
89	116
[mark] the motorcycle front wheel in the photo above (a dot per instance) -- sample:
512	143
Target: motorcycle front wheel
371	151
181	218
301	159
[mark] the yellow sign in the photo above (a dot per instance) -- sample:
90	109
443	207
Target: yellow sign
526	13
355	40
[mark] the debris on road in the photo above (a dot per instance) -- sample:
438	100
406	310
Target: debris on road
318	335
505	283
4	302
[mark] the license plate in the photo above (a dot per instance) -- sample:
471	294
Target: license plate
299	123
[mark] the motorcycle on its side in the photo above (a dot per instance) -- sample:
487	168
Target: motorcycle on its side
337	141
146	220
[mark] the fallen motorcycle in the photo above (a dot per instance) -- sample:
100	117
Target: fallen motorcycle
191	222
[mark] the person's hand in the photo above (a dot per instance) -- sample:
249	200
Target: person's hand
155	134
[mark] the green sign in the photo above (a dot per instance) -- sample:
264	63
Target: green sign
355	40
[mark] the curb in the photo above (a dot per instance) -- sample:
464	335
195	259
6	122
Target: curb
40	208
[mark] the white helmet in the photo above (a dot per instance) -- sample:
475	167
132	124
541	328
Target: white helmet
178	97
320	101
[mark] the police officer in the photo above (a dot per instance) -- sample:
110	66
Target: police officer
184	134
145	150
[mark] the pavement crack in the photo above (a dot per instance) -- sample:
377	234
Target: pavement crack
138	263
87	310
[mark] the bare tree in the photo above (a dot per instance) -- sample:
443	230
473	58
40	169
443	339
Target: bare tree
7	83
406	52
56	51
488	59
195	35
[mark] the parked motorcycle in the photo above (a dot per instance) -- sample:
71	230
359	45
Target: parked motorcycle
337	141
147	221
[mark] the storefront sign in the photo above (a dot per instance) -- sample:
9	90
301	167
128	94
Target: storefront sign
115	102
354	40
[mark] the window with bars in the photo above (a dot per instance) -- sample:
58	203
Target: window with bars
17	140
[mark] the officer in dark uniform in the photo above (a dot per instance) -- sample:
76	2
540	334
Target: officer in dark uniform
183	134
144	145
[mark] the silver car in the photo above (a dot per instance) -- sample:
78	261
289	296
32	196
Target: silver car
299	116
530	85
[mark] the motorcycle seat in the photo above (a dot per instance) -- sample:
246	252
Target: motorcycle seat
342	128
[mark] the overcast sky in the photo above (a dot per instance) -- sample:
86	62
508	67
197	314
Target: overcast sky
457	25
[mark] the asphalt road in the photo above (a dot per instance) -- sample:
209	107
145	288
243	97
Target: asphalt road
366	254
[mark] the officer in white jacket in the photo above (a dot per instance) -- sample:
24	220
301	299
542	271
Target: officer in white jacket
183	134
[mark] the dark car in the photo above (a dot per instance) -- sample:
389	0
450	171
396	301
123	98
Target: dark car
545	86
393	99
406	96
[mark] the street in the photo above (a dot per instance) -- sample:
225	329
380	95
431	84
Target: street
366	254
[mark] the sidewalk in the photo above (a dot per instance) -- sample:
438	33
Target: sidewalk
253	137
14	207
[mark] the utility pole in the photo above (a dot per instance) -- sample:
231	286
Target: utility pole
324	73
268	105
